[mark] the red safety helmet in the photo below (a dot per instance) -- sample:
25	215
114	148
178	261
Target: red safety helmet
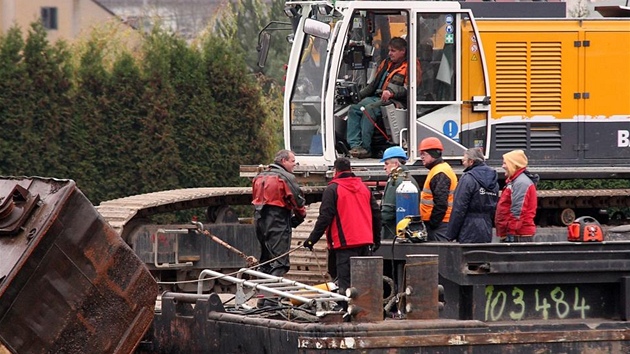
430	144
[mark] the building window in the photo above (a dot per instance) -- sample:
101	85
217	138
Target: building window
49	18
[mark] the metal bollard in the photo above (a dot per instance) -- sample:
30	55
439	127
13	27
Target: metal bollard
366	289
421	289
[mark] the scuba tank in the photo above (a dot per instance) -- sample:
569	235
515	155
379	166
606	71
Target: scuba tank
406	199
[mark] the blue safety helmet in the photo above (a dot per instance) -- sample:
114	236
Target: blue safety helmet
393	152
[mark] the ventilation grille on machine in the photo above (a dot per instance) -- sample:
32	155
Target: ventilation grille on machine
545	136
511	136
529	136
528	78
511	77
546	77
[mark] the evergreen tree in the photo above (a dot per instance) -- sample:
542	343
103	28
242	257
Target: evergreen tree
239	110
195	108
126	110
243	21
47	106
160	163
13	86
88	142
166	116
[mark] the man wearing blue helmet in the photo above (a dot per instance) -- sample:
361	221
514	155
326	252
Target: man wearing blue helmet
395	159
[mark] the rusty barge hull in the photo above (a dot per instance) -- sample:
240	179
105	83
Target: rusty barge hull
206	328
544	297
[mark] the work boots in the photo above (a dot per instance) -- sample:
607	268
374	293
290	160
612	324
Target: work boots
360	152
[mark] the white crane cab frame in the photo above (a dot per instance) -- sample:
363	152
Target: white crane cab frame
336	50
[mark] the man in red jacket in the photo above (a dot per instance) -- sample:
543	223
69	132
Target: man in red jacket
514	218
350	217
279	206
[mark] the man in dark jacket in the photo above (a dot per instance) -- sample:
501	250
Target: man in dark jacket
350	217
475	201
438	191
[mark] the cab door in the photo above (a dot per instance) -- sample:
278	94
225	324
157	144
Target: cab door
450	73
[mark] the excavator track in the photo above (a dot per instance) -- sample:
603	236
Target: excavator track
127	214
119	212
558	207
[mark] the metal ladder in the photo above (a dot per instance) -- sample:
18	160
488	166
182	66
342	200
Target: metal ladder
273	286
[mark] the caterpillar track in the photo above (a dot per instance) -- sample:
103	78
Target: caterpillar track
129	217
124	211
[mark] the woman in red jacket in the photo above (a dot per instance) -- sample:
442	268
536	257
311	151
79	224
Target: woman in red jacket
514	218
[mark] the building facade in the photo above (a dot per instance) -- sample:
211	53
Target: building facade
63	19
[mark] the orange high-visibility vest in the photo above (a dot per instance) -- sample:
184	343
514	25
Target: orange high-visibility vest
426	196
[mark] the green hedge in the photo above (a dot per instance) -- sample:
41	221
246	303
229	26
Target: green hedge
169	115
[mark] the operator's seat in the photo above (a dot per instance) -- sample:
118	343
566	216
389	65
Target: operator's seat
425	57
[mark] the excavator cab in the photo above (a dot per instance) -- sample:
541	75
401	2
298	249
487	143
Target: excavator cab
365	47
337	48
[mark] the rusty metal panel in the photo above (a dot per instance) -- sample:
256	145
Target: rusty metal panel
528	281
367	287
421	286
68	282
206	328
